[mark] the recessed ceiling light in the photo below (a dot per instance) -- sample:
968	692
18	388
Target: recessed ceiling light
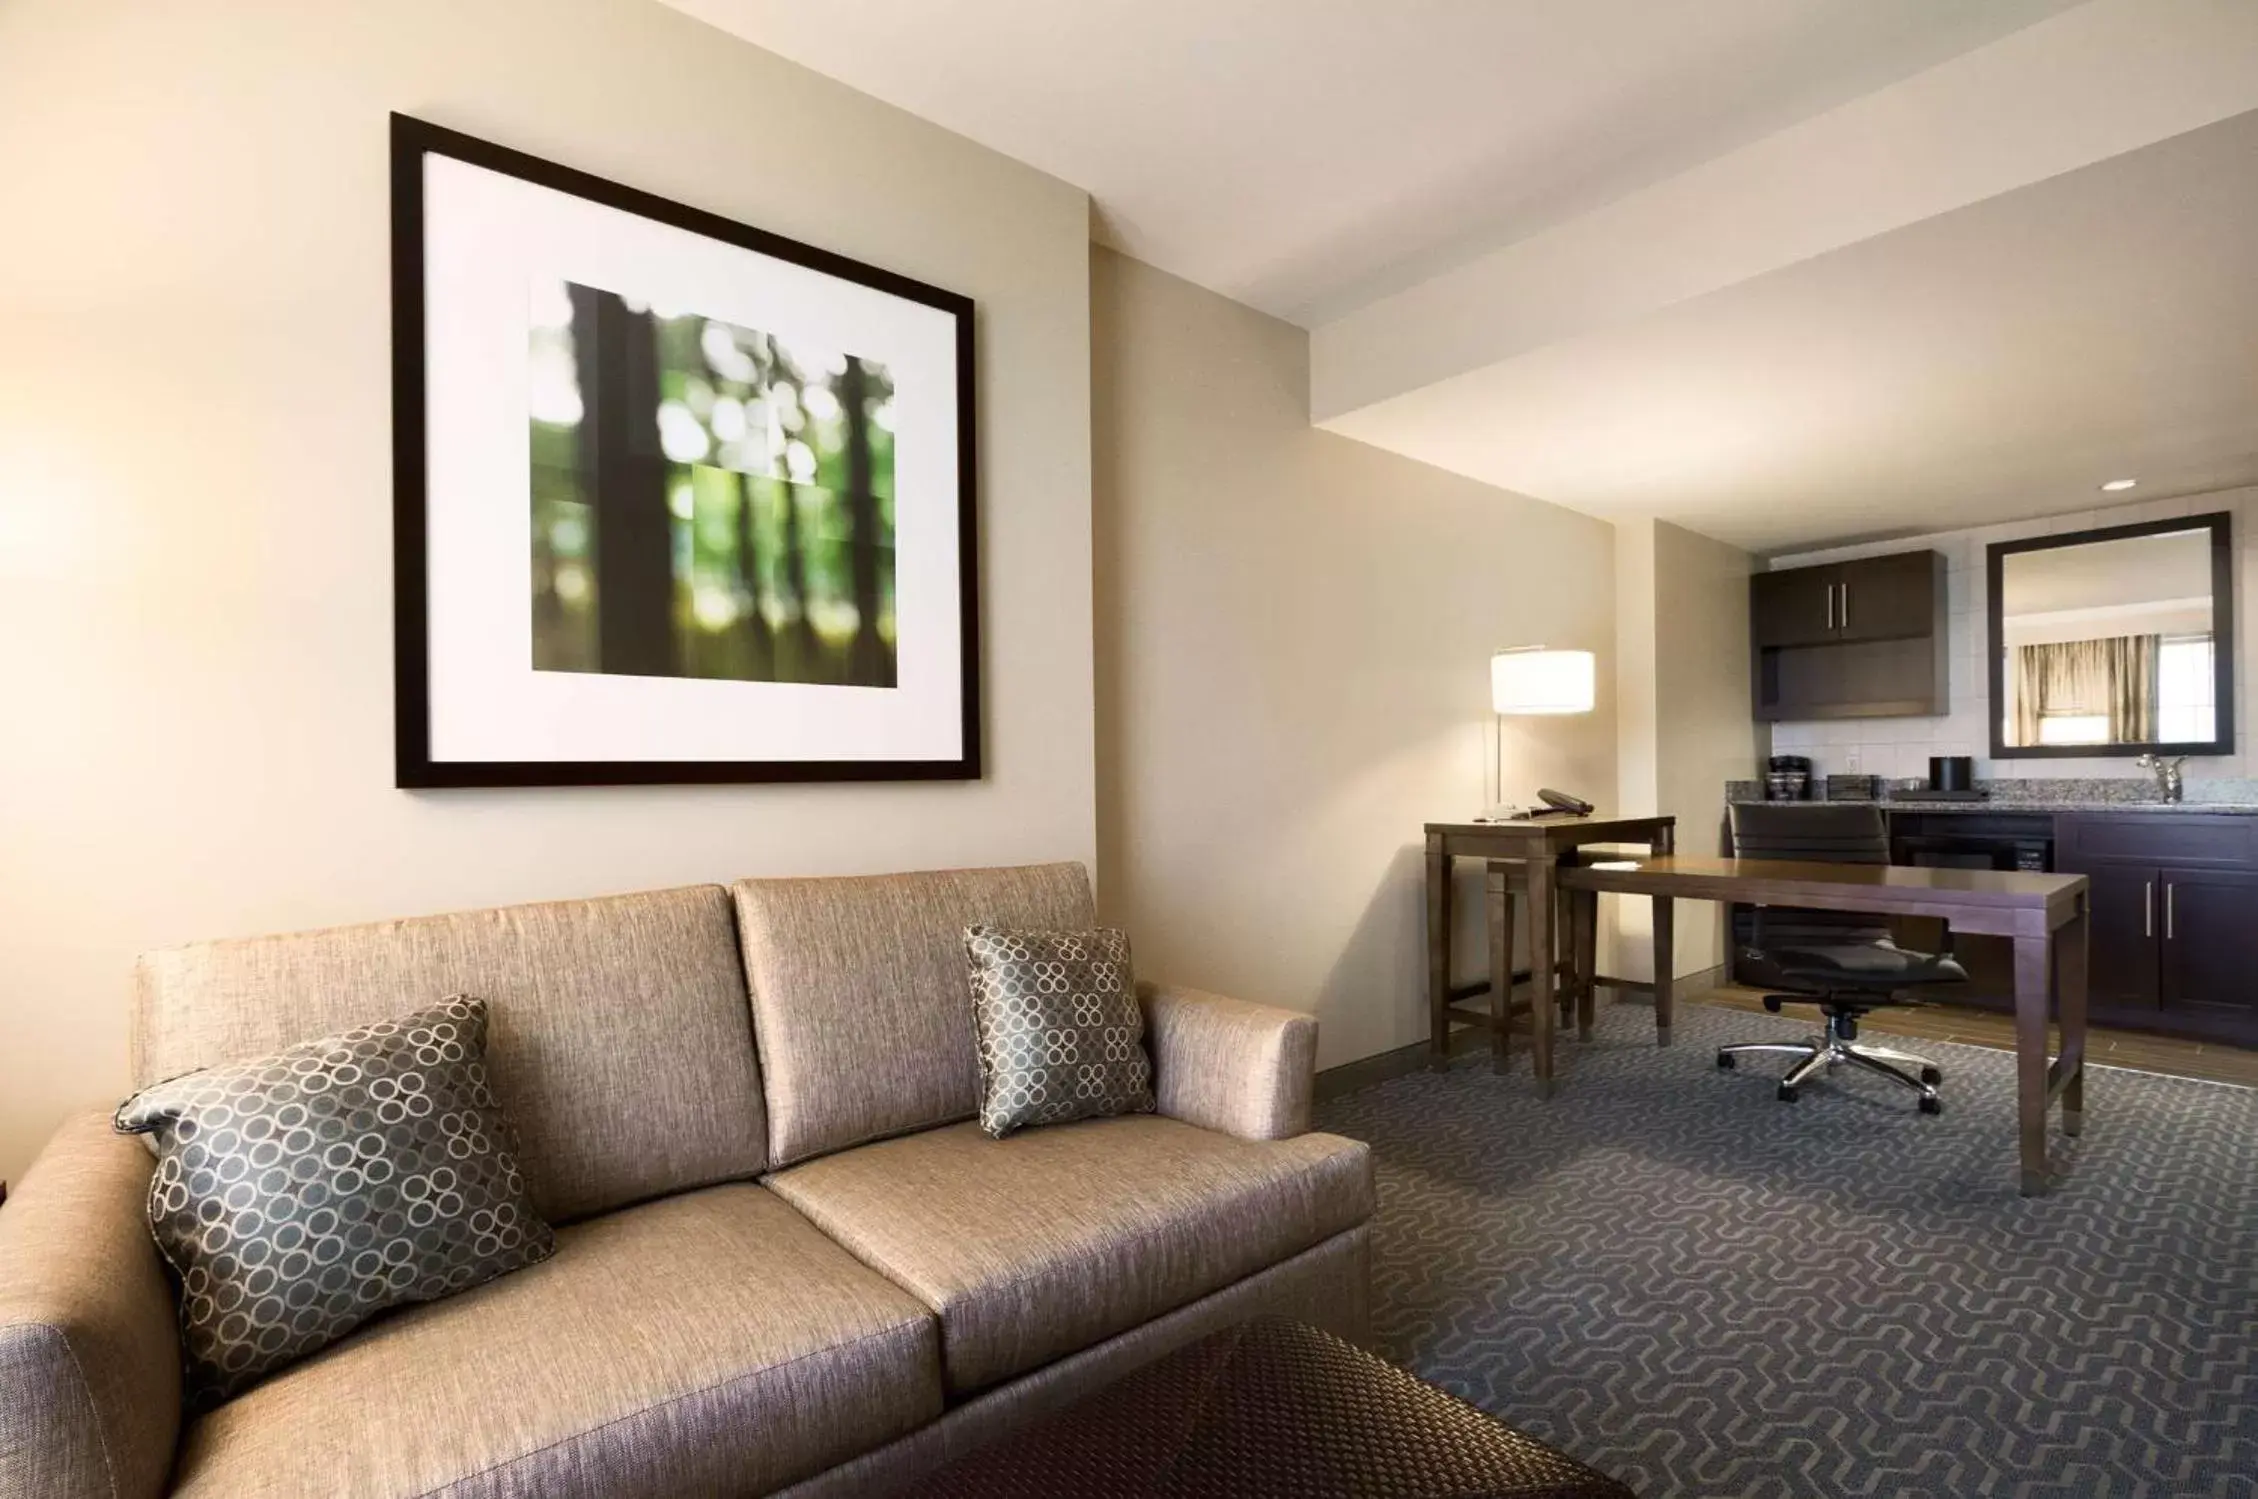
2114	485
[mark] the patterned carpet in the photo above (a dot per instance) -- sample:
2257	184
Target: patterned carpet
1706	1292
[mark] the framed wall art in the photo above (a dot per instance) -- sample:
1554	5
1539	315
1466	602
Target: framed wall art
676	499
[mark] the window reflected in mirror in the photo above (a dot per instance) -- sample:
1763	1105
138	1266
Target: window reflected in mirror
2112	643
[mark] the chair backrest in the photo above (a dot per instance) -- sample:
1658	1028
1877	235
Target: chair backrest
1824	833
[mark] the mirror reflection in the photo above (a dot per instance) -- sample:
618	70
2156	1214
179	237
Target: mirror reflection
2109	643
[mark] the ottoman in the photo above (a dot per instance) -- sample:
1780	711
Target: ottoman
1270	1409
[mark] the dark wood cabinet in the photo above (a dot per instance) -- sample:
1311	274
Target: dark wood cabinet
1863	639
2210	943
2122	944
2173	934
1894	597
1795	606
1897	597
2175	918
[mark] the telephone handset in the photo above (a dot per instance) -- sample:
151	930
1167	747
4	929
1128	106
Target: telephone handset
1551	804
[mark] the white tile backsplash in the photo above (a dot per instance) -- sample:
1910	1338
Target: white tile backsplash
1901	747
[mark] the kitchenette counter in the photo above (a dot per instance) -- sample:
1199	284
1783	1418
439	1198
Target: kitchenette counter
2173	888
2217	797
1909	804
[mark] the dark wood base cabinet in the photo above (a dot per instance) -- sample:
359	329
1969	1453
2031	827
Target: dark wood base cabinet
2173	939
2175	919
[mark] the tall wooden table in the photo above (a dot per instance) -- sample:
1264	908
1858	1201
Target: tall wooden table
2045	915
1524	859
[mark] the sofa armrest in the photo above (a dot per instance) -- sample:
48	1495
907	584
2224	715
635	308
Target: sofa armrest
1227	1065
89	1350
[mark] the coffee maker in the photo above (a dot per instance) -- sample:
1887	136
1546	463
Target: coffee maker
1787	778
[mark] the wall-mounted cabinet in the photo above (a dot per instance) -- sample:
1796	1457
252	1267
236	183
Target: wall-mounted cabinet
1863	639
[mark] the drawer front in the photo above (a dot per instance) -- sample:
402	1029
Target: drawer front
2191	840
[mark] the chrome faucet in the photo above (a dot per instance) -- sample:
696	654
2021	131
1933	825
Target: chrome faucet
2168	787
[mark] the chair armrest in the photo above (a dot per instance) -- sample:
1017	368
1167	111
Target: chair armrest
1227	1065
89	1348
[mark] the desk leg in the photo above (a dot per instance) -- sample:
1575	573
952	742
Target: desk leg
1544	969
1438	955
1583	930
1663	844
2034	976
1498	888
1665	962
2070	1009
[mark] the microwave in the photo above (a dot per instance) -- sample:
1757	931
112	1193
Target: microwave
2029	852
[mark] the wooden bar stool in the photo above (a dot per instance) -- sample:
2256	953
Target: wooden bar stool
1573	948
1521	859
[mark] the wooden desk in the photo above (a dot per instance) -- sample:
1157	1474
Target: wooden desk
2044	914
1523	857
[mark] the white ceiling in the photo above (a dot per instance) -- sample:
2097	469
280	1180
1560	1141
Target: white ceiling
1303	156
1998	361
1787	272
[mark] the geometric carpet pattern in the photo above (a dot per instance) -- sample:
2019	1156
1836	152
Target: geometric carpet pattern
1702	1291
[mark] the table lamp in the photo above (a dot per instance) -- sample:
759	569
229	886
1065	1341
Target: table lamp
1533	679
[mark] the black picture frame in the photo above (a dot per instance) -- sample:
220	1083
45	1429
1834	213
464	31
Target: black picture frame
412	142
2220	524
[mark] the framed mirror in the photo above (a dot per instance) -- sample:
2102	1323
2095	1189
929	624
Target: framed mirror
2118	641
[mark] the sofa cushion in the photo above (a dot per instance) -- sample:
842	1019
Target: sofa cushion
712	1343
629	1010
299	1195
860	998
1044	1243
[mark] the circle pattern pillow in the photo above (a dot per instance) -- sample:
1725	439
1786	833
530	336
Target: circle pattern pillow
298	1195
1060	1033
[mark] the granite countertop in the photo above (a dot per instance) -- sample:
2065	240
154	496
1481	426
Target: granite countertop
1899	804
2218	797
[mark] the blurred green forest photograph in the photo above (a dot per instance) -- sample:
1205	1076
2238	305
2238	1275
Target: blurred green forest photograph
707	501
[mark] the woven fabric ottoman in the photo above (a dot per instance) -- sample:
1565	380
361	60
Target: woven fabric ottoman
1270	1409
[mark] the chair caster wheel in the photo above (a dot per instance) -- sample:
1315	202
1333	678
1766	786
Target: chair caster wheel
1932	1105
1725	1060
1787	1094
1932	1075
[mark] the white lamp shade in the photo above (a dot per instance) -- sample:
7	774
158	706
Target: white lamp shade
1542	681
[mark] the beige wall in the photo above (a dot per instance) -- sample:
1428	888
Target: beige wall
1684	726
1294	633
195	477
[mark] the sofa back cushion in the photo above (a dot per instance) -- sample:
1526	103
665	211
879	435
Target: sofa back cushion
618	1044
861	1000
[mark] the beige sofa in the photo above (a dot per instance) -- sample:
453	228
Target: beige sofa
785	1259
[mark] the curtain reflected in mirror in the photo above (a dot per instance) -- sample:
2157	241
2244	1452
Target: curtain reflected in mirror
2110	641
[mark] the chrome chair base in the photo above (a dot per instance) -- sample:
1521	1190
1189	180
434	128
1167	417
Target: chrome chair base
1836	1047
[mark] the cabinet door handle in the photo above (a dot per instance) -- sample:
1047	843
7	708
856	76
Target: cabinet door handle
1830	606
1845	606
2148	909
2168	888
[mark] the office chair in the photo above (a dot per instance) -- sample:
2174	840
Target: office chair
1841	961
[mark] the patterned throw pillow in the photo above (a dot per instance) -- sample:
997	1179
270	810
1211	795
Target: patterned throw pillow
1061	1036
299	1195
